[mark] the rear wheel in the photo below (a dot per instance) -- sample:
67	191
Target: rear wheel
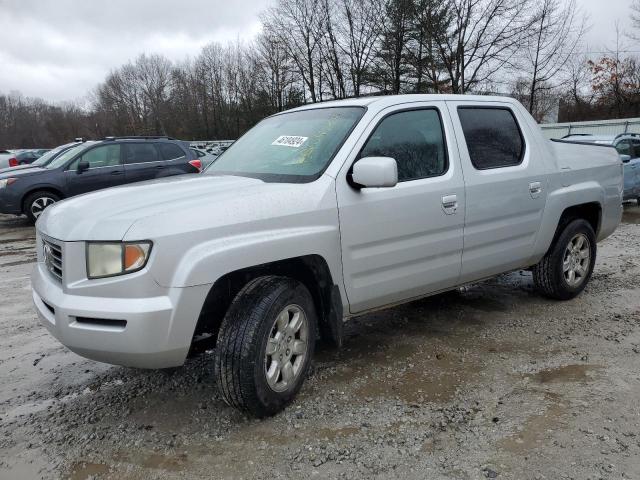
566	269
37	202
265	345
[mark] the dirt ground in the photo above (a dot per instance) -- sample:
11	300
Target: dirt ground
491	381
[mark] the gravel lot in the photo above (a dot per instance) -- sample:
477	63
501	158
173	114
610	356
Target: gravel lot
488	382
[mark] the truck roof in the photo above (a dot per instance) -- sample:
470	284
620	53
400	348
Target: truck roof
382	101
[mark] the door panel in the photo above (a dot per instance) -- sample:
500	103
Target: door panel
404	241
505	203
105	170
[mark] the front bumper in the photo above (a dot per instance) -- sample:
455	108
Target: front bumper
157	333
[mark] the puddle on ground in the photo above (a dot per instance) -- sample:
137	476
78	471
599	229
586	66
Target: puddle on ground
172	463
84	470
436	380
566	373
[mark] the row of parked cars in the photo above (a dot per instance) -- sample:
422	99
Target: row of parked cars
13	158
628	147
84	166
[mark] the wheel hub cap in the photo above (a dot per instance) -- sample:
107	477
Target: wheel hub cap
38	206
577	260
286	349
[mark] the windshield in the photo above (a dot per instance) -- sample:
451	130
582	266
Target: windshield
291	147
47	157
68	155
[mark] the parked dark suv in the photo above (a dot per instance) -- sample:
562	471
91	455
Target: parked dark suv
91	166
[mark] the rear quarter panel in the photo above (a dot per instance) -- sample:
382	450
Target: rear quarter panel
587	174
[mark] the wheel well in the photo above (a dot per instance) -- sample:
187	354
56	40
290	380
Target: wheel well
311	270
55	191
591	212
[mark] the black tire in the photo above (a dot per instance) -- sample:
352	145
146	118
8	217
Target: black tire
549	275
43	197
241	358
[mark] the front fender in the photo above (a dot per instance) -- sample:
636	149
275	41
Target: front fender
207	262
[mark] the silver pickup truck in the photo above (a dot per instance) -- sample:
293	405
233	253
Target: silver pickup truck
315	215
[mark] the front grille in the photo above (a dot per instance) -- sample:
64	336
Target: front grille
52	255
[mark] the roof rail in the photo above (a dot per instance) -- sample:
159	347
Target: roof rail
626	135
578	135
140	137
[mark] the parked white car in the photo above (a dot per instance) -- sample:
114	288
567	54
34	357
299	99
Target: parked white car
5	155
313	216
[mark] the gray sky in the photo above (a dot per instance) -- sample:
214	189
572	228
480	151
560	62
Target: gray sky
61	49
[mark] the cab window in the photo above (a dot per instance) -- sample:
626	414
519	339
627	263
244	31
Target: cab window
493	137
415	139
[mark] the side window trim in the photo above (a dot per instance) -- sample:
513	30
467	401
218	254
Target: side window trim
447	163
158	147
128	144
523	140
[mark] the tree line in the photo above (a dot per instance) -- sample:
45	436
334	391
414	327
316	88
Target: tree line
318	50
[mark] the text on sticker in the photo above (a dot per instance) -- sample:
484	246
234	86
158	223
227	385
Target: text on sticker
289	141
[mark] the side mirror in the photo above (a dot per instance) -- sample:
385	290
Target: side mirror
375	172
83	166
625	158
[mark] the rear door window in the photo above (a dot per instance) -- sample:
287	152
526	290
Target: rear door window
493	137
170	151
140	153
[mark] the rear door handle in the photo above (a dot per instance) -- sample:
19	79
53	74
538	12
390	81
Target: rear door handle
535	189
450	204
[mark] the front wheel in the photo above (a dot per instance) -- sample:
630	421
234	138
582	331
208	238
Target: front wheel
265	345
567	267
37	202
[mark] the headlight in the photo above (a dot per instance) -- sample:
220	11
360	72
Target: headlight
109	259
7	181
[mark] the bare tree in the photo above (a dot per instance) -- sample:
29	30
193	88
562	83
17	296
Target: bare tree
481	40
431	20
358	28
635	20
299	24
393	50
555	37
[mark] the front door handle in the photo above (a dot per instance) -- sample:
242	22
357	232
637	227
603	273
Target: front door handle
117	172
450	204
535	189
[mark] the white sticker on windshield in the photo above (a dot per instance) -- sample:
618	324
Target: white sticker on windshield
290	141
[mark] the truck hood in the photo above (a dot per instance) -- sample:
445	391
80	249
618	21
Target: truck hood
156	208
